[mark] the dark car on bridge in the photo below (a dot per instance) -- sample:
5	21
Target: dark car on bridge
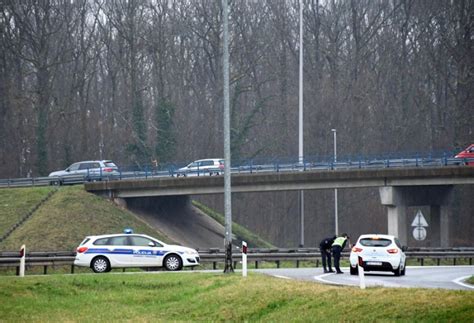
467	156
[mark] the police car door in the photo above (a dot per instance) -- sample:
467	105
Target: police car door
146	252
120	251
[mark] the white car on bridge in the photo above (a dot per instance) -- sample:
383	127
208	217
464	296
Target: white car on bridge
105	252
378	252
211	166
90	170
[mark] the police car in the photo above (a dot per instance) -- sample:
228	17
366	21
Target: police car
378	252
104	252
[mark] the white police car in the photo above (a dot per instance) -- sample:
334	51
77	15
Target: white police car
104	252
378	252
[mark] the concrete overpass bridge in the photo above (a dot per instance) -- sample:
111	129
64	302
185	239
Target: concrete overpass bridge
399	188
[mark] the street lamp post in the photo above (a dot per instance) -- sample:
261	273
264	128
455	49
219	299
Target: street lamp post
335	190
227	184
300	125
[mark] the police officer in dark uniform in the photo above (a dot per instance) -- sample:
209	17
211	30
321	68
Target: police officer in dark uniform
325	248
337	246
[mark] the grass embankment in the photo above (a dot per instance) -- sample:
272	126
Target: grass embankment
241	232
16	202
65	219
471	280
211	297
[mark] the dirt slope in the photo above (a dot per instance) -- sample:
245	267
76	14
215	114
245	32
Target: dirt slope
179	220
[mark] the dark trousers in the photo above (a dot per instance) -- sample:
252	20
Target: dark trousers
326	255
336	253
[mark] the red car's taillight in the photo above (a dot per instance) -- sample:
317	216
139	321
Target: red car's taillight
356	249
108	170
81	249
392	250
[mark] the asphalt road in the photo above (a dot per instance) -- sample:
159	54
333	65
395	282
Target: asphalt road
445	277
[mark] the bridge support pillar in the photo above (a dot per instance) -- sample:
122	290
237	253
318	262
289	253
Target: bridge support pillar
439	225
399	198
397	222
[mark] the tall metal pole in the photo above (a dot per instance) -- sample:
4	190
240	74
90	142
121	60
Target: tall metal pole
300	123
227	192
335	190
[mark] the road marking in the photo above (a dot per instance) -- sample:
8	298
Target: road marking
282	277
459	282
442	266
322	280
354	282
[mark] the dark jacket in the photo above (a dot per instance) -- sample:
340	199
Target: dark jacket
326	243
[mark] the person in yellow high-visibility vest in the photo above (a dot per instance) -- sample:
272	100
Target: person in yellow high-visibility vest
337	247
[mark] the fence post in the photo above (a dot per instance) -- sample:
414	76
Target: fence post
22	261
360	265
244	259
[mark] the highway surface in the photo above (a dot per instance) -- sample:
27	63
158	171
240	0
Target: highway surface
444	277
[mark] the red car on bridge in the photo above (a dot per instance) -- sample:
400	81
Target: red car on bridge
467	155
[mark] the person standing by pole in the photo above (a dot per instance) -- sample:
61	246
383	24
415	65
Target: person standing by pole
337	247
325	248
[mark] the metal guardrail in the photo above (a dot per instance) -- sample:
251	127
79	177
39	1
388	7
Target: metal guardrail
257	165
216	256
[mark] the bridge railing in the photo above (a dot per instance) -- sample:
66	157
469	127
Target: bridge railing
259	165
257	256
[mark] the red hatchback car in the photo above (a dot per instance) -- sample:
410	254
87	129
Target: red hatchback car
467	155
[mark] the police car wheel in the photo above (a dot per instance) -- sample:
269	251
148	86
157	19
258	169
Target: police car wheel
173	263
100	265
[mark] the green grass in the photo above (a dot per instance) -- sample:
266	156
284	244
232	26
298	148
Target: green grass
16	202
434	262
67	217
471	280
168	297
253	240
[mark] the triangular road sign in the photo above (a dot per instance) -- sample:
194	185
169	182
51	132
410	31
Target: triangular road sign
419	220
